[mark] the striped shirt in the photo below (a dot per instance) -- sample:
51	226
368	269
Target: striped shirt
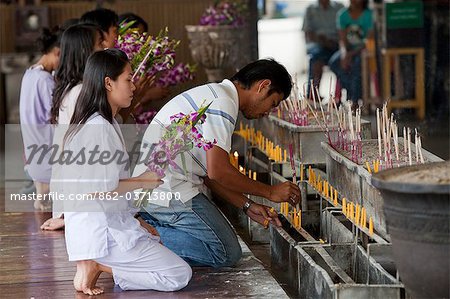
219	125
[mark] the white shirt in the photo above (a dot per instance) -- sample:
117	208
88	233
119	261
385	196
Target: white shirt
68	105
64	116
219	125
89	223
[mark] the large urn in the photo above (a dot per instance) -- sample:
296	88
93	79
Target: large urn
215	48
417	210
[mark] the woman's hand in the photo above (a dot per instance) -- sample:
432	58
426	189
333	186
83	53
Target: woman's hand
142	85
154	93
149	180
263	215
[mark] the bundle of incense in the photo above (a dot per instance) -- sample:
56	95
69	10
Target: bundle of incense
311	90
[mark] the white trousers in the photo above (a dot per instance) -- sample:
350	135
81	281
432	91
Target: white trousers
147	266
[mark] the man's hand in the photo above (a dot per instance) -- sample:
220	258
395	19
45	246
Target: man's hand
285	192
263	215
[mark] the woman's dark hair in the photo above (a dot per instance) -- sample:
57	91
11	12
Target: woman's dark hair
129	16
49	39
365	4
70	22
281	81
93	97
102	17
77	43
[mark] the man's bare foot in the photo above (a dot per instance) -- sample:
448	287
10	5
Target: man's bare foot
53	224
86	277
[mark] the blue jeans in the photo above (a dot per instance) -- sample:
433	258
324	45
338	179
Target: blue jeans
350	79
196	231
317	54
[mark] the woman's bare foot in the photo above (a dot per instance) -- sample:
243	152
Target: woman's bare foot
41	205
86	277
53	224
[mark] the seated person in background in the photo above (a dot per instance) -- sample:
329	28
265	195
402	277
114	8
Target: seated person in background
355	25
107	20
321	36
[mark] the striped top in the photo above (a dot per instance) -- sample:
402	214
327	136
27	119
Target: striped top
219	125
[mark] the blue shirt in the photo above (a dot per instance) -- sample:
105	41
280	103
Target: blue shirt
356	29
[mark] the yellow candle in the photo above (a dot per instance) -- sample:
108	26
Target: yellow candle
370	226
349	212
285	155
330	193
335	202
310	173
301	172
241	169
358	211
279	113
236	159
352	211
300	218
363	217
368	167
250	173
295	217
344	207
254	175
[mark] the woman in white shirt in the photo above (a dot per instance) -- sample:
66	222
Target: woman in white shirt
77	43
102	235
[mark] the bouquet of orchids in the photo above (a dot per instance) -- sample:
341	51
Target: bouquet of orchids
224	13
179	137
153	56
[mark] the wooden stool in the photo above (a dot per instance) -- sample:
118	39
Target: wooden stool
418	102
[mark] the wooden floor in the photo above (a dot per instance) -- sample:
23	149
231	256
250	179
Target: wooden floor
34	264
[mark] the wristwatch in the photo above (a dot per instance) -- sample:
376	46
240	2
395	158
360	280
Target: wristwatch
246	205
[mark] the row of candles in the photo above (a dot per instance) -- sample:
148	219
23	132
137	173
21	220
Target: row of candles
355	213
264	144
234	160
